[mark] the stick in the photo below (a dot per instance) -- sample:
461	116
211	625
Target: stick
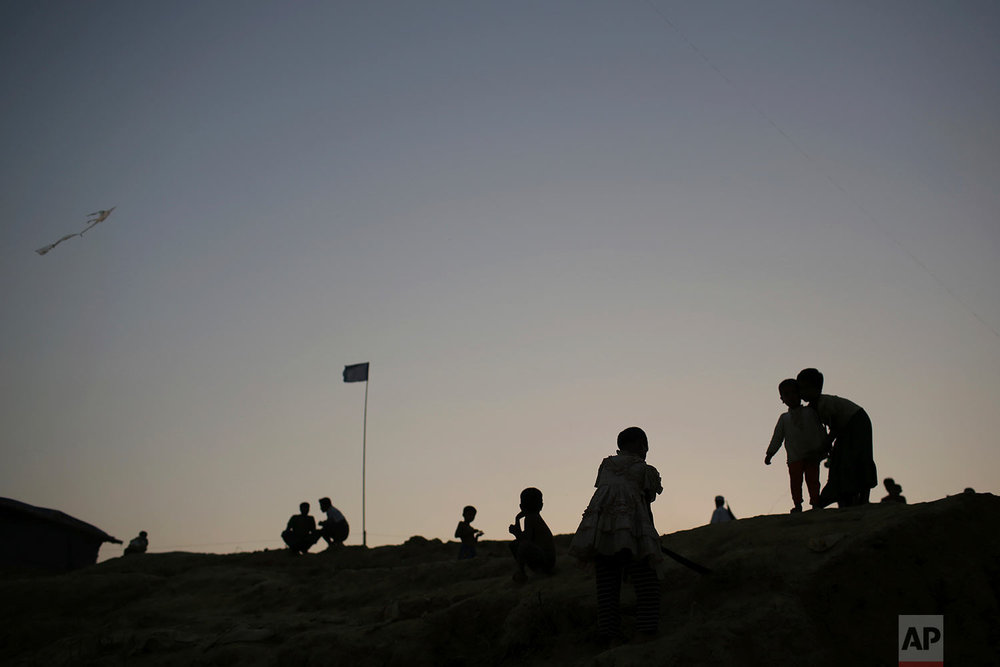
700	569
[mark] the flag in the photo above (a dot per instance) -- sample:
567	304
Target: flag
356	373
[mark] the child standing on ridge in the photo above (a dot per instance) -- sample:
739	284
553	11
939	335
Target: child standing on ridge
617	534
532	547
467	533
805	439
852	466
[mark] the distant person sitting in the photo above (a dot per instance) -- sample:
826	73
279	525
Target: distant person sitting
804	437
533	546
722	512
301	532
895	492
851	462
138	544
334	528
468	535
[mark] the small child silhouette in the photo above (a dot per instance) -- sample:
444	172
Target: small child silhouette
895	492
721	513
804	438
533	546
138	544
467	534
617	534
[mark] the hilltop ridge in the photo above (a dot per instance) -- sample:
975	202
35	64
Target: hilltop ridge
818	588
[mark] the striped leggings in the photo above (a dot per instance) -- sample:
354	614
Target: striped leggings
610	570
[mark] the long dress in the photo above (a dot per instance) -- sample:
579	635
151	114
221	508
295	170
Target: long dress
618	516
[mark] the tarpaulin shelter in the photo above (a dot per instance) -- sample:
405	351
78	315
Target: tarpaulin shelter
38	537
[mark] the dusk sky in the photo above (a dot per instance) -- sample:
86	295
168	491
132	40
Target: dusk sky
540	222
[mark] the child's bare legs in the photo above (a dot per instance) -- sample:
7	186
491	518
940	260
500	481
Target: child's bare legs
517	550
530	555
795	470
811	471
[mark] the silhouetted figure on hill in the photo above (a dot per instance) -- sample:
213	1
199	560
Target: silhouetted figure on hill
468	535
805	439
722	513
852	465
533	546
301	533
334	528
895	492
138	544
617	534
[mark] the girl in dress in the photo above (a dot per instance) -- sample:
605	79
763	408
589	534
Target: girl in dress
617	534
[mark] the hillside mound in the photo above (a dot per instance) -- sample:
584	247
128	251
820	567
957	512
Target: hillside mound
818	588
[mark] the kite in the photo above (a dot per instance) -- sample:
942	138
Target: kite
92	220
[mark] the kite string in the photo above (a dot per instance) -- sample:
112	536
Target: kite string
823	172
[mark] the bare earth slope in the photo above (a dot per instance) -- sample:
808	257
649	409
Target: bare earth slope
820	588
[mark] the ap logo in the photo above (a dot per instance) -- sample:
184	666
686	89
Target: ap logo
921	641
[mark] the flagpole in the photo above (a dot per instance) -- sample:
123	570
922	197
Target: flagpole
359	373
364	448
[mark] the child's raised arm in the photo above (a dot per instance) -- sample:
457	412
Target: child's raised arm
515	528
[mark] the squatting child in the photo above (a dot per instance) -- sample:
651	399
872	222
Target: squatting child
533	546
617	534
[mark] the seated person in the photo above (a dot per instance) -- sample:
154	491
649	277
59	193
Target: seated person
334	527
895	492
722	512
138	544
533	546
300	534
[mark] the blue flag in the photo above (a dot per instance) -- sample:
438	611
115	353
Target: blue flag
356	373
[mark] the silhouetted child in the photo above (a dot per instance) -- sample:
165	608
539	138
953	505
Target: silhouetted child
618	535
301	533
805	439
467	534
533	546
852	465
138	544
334	528
895	492
722	512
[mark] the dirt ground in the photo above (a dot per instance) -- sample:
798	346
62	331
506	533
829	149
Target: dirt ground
819	588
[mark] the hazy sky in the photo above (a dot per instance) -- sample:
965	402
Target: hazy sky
541	222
